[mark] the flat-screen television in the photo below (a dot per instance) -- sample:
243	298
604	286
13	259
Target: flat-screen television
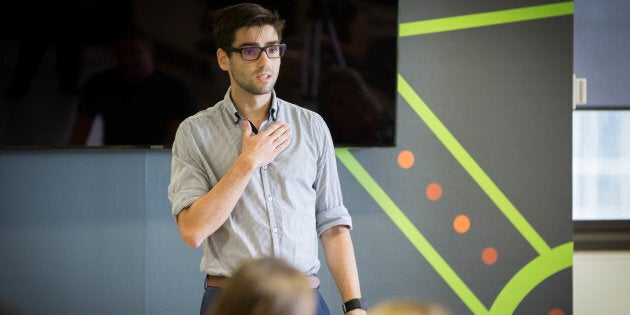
61	62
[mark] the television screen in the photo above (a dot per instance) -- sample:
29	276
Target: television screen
63	64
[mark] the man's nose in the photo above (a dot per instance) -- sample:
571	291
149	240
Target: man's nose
264	59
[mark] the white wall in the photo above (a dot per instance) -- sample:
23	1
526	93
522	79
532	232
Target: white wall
601	282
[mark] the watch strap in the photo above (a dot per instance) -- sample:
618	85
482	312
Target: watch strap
358	303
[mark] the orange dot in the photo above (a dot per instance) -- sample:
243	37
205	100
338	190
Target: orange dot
489	256
434	191
405	159
461	224
556	311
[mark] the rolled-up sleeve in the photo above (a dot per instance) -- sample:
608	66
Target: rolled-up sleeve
188	179
330	210
333	217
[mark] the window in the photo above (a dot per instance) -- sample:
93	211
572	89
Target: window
601	163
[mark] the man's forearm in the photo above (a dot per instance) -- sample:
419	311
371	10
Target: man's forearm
211	210
341	262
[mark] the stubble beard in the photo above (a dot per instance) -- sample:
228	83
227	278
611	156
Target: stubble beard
257	90
250	86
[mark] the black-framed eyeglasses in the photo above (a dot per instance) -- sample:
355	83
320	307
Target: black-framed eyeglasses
253	53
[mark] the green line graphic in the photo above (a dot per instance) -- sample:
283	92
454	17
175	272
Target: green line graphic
411	232
549	261
485	19
512	294
532	274
471	167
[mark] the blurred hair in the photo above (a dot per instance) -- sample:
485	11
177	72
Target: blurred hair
266	286
407	307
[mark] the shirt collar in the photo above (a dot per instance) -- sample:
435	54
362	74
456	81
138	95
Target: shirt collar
236	117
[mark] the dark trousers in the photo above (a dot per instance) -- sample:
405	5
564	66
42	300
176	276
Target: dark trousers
212	292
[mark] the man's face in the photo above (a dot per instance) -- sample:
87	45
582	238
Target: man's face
256	77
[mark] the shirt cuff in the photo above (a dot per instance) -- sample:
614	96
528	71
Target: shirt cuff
181	204
333	217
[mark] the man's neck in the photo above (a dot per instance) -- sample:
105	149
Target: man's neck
254	107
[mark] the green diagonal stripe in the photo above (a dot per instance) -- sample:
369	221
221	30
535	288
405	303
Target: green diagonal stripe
473	169
411	232
485	19
530	276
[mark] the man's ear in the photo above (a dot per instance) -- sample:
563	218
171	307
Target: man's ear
223	59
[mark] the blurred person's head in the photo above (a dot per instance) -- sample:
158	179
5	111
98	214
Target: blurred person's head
135	56
407	307
266	286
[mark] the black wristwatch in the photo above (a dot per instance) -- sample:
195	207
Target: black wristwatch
354	304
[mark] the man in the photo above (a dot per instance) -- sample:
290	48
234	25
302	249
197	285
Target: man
256	176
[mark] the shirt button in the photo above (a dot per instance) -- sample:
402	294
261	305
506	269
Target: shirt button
265	167
269	198
275	230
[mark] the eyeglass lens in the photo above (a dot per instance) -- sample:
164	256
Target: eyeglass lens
253	53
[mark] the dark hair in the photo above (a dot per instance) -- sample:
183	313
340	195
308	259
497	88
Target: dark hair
229	19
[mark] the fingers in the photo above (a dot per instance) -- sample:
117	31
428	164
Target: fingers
281	134
282	145
276	135
247	128
276	129
262	148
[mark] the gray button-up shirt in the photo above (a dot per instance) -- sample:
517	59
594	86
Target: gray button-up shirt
287	203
